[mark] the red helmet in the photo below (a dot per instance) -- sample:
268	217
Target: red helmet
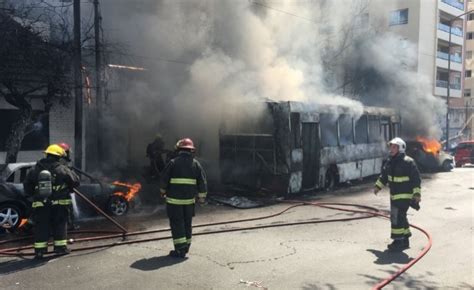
185	143
65	146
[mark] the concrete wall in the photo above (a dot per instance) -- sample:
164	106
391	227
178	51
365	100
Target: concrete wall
409	31
469	81
61	128
427	41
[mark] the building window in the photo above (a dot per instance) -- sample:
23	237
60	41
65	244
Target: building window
469	35
470	17
469	54
467	92
468	73
399	17
328	125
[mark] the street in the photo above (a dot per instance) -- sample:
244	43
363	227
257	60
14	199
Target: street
335	255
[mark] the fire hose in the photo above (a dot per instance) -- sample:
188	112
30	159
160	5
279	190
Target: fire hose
369	212
124	230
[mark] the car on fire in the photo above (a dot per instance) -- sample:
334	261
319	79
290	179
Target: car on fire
429	156
15	205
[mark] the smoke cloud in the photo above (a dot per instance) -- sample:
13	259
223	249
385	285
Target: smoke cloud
206	59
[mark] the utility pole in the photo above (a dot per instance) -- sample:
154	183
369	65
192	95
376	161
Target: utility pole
98	82
77	86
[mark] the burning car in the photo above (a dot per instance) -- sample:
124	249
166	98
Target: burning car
114	198
429	156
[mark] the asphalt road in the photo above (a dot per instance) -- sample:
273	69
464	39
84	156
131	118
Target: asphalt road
337	255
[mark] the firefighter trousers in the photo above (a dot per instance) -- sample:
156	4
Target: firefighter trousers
398	220
181	217
50	219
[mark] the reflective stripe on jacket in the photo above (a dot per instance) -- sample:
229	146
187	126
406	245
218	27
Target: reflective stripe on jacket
402	176
183	179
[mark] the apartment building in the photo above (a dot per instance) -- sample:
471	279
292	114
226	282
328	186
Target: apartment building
469	67
426	23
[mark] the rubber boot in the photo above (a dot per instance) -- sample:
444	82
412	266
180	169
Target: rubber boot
406	243
61	250
39	254
398	245
177	254
395	245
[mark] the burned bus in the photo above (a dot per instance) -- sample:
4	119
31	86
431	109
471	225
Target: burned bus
295	147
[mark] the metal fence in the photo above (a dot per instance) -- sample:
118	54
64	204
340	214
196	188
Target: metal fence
444	84
445	56
454	3
454	30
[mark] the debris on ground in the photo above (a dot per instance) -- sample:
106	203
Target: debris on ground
237	201
257	284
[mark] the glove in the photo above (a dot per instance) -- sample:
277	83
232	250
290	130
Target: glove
415	203
163	194
201	200
376	190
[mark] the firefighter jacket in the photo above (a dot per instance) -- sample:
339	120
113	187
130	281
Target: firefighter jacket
182	179
403	177
154	149
63	181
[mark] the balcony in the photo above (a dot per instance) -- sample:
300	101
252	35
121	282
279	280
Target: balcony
441	89
456	34
454	30
442	61
454	57
444	84
454	3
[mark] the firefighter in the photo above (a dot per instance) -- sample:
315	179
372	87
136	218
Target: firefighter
181	181
50	184
403	178
67	149
154	152
66	160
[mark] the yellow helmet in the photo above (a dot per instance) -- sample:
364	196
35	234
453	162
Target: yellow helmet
56	150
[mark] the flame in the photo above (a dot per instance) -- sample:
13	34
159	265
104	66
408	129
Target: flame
429	145
133	189
23	222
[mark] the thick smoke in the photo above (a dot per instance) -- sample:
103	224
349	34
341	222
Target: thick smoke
385	71
205	59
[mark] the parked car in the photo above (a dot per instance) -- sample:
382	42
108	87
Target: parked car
429	161
464	153
15	205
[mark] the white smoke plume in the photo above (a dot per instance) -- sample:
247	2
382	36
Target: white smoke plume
206	58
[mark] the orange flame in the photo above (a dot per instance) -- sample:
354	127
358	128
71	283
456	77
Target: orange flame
23	222
133	189
429	145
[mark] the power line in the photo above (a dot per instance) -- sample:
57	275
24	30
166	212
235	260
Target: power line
284	12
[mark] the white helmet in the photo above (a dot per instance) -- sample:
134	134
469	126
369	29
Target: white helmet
401	144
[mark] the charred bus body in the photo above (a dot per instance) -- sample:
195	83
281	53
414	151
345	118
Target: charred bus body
296	147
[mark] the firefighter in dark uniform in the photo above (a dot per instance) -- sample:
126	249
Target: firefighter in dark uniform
403	177
50	184
154	152
181	181
67	150
66	160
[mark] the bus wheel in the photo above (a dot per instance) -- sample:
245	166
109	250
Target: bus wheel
331	179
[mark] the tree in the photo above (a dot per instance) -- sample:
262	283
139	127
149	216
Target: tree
31	66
